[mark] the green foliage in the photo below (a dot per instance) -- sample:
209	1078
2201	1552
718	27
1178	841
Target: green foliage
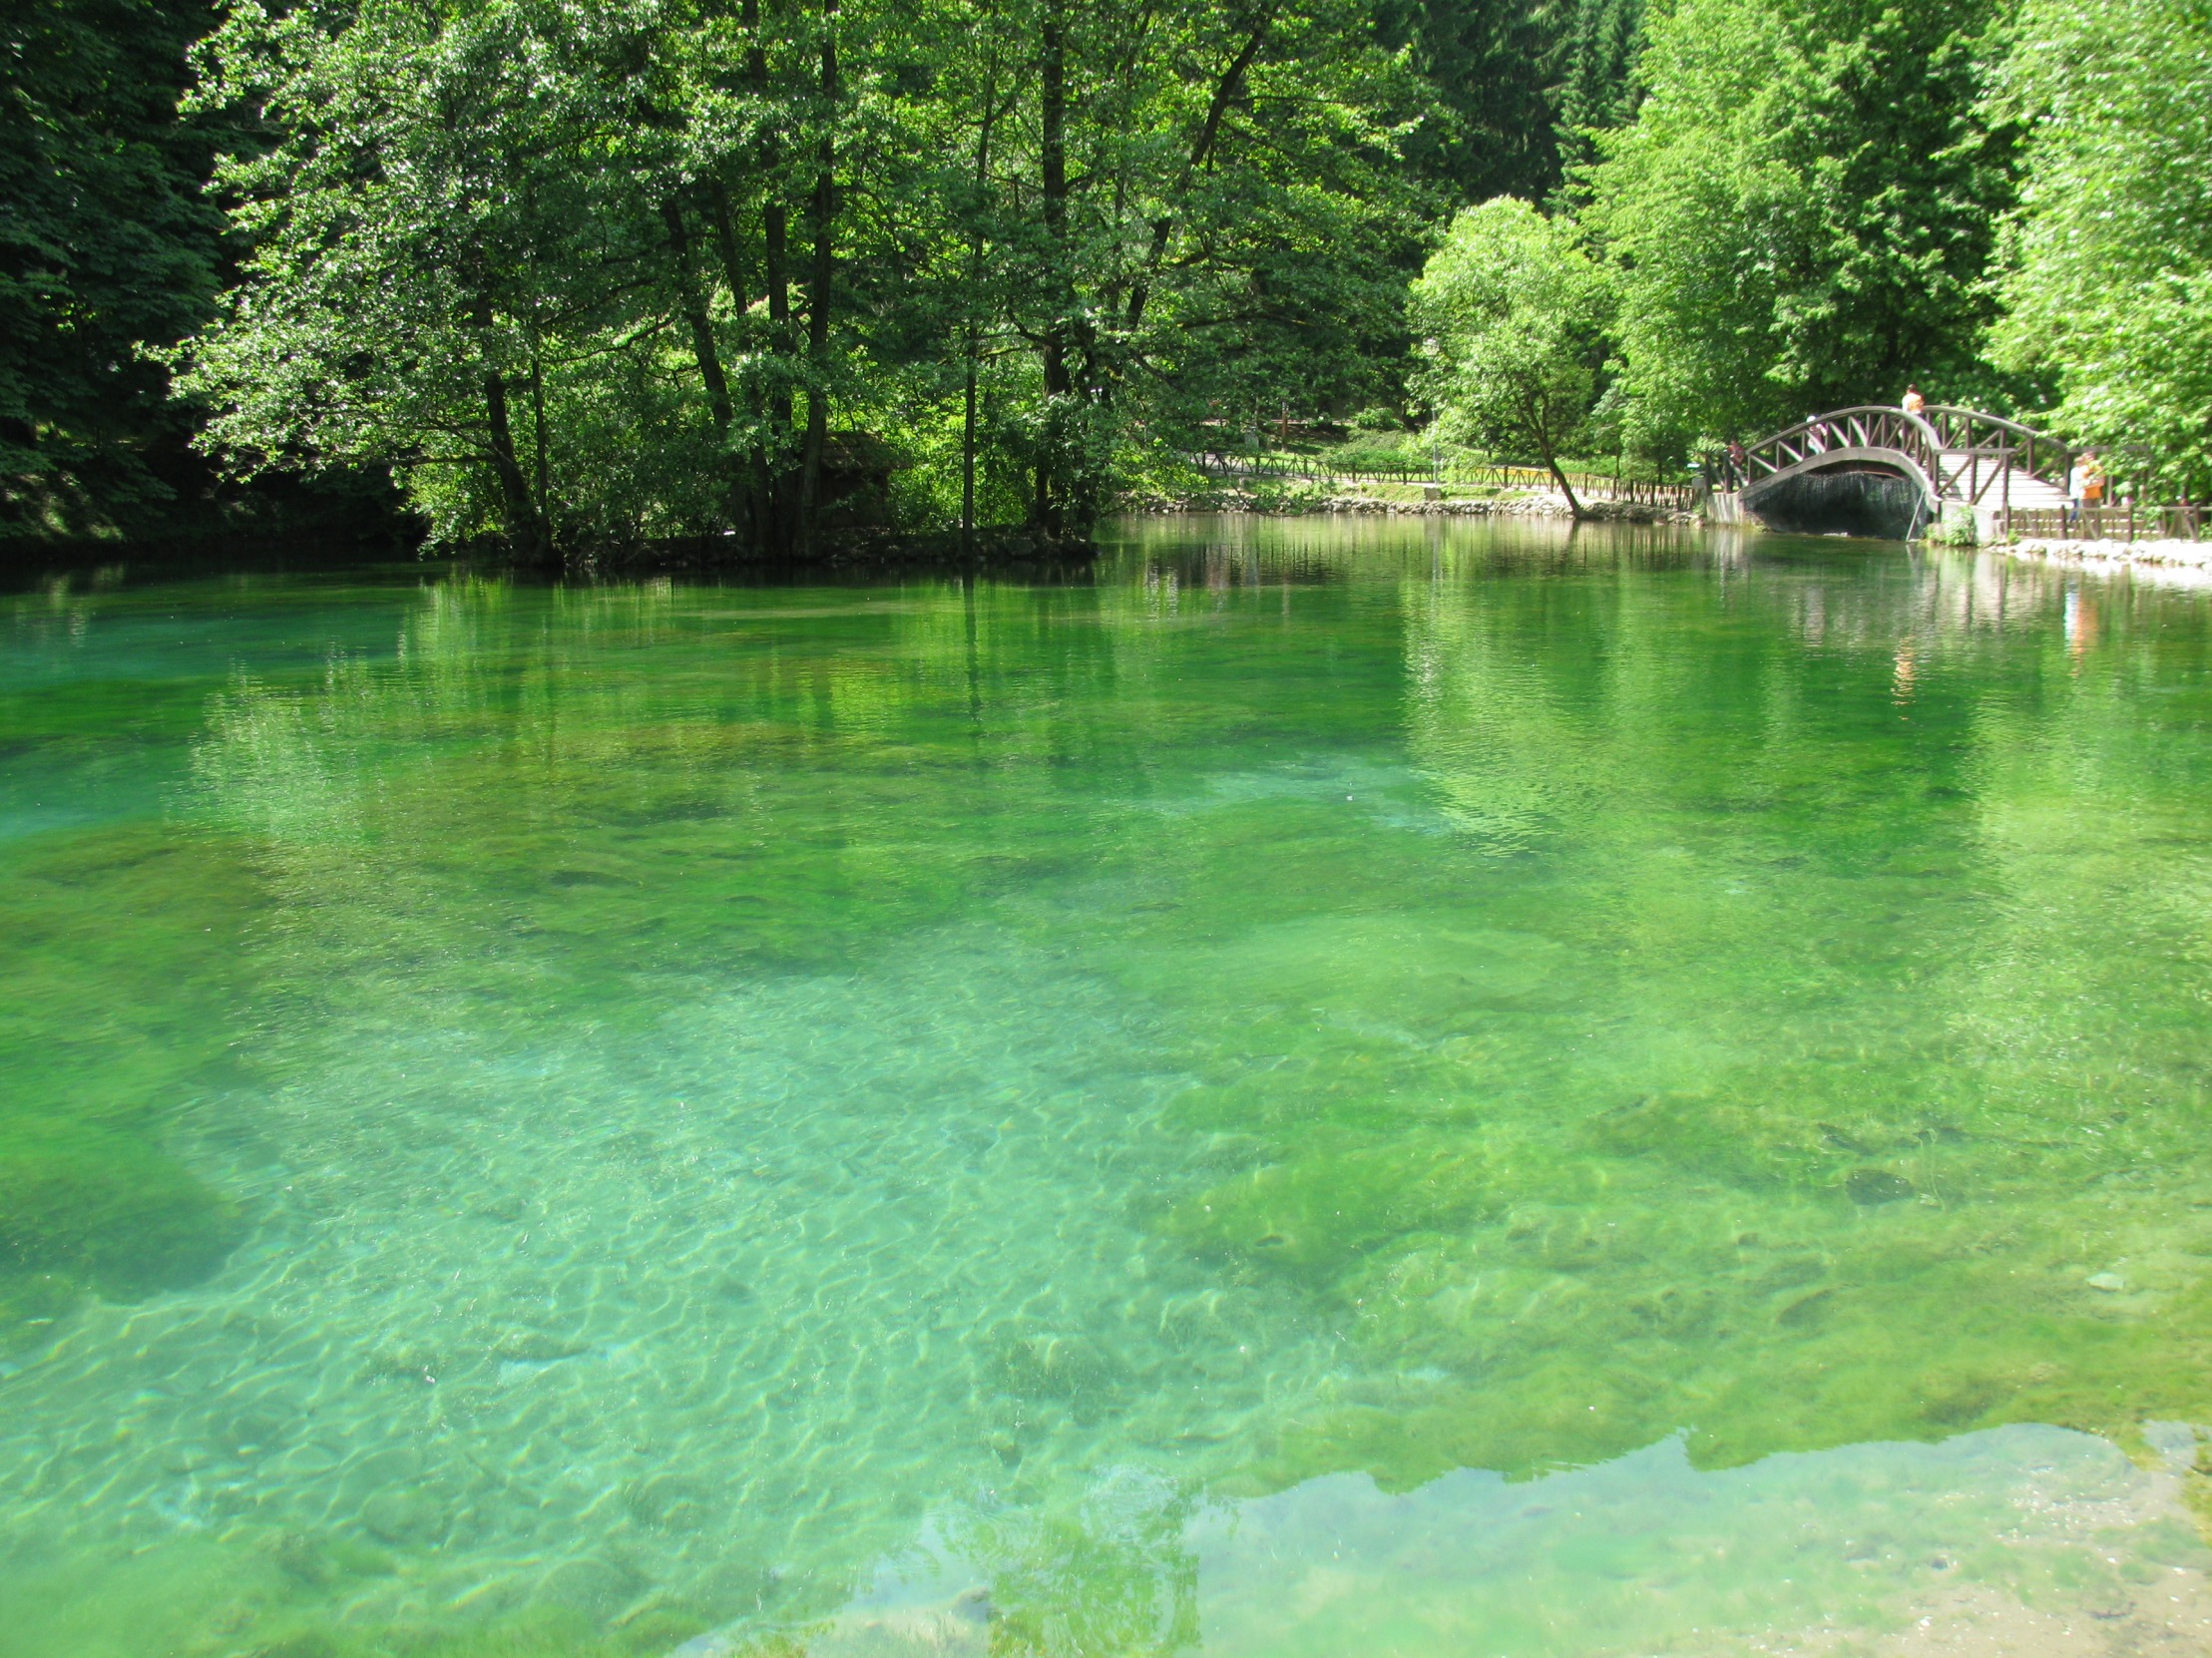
1489	61
1375	458
439	258
2108	282
1379	420
1516	314
1598	88
582	276
570	274
1956	527
104	243
1803	212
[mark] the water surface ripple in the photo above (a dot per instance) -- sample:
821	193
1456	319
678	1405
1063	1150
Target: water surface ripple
1383	1088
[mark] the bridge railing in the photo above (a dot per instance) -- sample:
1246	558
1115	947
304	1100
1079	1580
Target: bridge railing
1966	455
1319	470
1868	426
1969	437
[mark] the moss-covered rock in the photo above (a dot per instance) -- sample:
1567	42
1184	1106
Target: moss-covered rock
85	1203
121	947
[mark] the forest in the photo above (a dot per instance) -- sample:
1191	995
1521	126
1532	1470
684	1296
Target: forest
562	274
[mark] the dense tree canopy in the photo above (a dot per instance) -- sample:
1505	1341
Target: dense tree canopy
1490	62
104	243
579	272
590	271
2108	283
1803	212
1600	53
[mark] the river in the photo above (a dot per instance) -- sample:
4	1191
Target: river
1390	1087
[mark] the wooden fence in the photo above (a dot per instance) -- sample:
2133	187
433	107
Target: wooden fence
1317	470
2125	521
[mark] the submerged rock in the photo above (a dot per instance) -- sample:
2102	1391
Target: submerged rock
1870	1186
103	1207
959	1627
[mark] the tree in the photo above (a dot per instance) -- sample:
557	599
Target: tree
540	257
2108	274
1490	62
105	246
1803	212
476	260
1516	314
1598	92
1220	227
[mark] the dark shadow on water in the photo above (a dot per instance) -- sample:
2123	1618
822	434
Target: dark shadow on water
1878	504
112	564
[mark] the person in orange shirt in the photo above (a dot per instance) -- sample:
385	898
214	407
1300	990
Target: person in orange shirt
2084	483
1915	404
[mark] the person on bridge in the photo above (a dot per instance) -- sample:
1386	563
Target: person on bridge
2084	483
1915	404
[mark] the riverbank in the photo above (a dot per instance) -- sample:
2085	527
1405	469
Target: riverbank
2170	555
1296	498
846	555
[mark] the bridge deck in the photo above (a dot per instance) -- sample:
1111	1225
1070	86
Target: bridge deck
1949	455
2023	491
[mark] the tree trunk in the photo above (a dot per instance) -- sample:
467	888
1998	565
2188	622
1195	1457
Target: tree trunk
773	252
543	483
524	528
775	527
521	521
1201	149
818	294
726	244
974	282
1053	111
749	483
968	454
693	305
776	251
1552	463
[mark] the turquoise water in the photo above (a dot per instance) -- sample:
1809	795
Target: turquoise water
1381	1088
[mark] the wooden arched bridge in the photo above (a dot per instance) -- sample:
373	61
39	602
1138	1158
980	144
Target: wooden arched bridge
1897	470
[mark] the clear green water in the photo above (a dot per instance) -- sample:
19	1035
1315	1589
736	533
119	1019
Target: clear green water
1380	1089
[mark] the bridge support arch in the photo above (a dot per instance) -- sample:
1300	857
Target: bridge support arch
1891	472
1867	495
